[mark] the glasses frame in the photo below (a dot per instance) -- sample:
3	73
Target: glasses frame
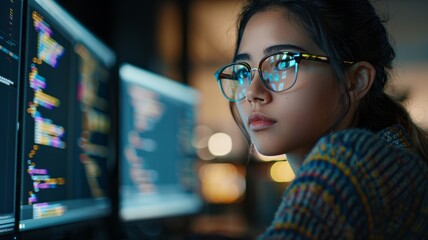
296	56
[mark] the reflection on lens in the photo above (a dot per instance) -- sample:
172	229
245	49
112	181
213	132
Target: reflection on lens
279	72
234	81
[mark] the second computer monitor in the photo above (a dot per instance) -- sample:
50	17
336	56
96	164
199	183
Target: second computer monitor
156	156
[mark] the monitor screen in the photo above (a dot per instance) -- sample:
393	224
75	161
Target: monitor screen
157	117
10	57
67	143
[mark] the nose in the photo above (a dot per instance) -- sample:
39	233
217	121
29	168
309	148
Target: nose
256	91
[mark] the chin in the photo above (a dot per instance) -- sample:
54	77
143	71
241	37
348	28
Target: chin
268	151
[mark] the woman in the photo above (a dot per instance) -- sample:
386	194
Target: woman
308	80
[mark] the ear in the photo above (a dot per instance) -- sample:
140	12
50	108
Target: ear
361	76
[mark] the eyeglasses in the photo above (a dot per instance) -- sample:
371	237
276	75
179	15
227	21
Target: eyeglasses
278	73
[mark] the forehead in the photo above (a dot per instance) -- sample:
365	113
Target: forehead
274	27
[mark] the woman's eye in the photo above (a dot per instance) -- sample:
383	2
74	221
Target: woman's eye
284	64
242	73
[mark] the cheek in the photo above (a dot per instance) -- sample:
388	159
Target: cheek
304	113
314	105
243	111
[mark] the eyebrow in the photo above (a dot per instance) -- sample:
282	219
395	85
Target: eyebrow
270	50
282	47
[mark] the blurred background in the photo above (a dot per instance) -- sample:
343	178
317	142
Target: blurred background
187	41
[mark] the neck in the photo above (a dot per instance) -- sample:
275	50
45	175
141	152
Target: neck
295	161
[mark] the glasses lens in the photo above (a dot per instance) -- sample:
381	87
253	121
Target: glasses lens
279	71
234	80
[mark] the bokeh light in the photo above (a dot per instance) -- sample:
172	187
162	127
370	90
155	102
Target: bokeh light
221	183
220	144
281	172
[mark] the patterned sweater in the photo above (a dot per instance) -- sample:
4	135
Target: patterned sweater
356	184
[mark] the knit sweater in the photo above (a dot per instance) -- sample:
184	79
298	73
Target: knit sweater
356	184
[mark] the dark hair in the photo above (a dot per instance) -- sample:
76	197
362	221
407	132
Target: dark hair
347	31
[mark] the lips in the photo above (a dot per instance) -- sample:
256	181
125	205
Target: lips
258	122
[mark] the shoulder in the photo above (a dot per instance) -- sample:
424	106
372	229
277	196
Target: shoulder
356	148
369	161
375	173
354	182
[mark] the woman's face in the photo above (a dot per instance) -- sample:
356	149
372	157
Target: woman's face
291	121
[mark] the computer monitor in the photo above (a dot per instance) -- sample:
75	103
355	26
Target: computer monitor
157	117
10	57
67	142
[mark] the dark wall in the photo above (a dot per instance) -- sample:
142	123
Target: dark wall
127	26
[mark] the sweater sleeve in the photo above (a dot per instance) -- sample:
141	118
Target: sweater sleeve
353	185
